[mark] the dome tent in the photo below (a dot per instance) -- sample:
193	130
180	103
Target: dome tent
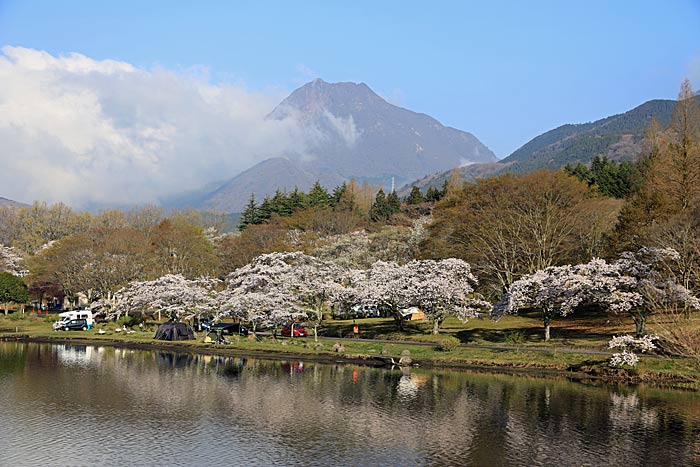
174	332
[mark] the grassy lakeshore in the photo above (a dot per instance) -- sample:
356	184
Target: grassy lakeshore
513	344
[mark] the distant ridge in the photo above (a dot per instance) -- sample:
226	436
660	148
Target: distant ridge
5	203
618	137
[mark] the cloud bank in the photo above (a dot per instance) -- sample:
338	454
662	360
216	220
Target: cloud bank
103	132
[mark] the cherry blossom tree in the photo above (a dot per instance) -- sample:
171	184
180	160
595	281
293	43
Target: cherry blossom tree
555	291
258	308
179	298
10	261
440	288
633	284
293	281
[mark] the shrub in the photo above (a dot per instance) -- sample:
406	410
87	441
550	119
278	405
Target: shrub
448	344
515	338
131	320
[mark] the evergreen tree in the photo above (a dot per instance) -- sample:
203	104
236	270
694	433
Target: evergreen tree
265	210
380	208
581	172
318	196
445	187
249	214
348	198
297	200
433	194
338	193
394	203
280	204
415	197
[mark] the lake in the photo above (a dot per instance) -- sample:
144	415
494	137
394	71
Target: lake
63	405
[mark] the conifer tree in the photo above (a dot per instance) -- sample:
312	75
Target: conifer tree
338	193
318	196
433	194
265	210
380	208
297	200
415	197
249	214
394	203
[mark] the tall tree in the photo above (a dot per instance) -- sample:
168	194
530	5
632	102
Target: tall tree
318	196
12	290
394	203
415	196
512	225
380	208
250	214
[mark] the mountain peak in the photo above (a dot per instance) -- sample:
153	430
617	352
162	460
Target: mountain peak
318	96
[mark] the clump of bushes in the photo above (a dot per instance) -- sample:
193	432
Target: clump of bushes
131	320
447	344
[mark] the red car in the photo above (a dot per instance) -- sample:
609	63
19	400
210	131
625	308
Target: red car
299	331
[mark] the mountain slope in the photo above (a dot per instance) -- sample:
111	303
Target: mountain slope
351	133
263	179
618	137
8	203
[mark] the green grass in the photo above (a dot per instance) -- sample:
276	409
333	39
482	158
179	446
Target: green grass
523	332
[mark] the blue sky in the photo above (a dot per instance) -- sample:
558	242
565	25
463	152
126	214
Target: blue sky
504	70
159	81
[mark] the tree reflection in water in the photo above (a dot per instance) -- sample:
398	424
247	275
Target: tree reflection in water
131	404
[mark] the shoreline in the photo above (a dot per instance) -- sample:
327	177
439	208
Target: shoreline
590	374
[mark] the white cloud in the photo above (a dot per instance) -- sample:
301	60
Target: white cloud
344	127
86	131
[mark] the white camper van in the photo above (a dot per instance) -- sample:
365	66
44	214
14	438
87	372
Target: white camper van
74	314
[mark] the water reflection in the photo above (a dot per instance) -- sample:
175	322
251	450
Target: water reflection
152	408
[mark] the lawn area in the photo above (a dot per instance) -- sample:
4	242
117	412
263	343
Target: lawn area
565	354
582	330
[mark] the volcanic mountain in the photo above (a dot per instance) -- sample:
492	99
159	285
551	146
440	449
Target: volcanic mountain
351	133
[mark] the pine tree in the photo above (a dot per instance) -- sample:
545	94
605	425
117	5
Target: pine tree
380	209
348	198
280	204
433	194
297	200
265	210
318	196
415	197
249	214
338	193
394	203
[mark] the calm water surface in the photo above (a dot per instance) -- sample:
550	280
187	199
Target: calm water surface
93	406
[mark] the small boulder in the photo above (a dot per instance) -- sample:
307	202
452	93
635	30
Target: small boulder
405	359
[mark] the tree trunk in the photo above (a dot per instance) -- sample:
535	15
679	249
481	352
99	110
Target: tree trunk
640	322
315	332
398	321
436	326
547	320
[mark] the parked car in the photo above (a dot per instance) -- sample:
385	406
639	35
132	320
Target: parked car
75	325
299	331
67	316
229	328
